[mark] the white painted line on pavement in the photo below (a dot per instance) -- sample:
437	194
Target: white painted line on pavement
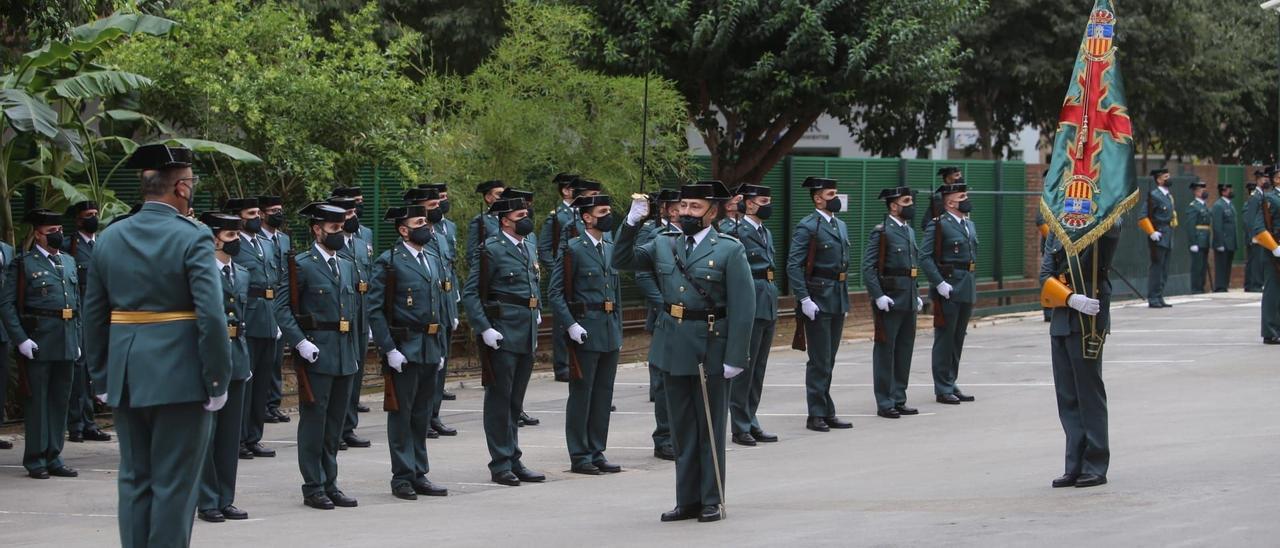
57	514
869	385
98	470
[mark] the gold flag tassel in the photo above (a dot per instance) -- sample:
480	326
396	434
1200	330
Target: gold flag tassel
1090	339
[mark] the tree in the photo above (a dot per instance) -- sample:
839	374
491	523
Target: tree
757	73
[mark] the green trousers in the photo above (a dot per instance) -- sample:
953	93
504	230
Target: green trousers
745	389
1270	299
262	355
352	419
218	481
80	404
1254	267
948	344
586	421
823	336
658	391
1222	269
275	388
320	430
503	400
1082	406
1199	262
695	471
559	348
1158	275
891	359
162	451
45	413
415	388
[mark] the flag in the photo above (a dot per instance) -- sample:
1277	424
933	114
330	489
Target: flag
1090	183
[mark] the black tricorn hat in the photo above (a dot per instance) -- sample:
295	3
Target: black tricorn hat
958	186
348	192
818	183
320	212
159	156
270	201
1259	173
668	195
42	217
751	191
508	193
415	195
343	202
506	205
564	179
1198	184
582	185
438	187
948	170
895	193
1223	186
80	207
591	201
704	190
402	213
236	205
489	185
1158	172
218	221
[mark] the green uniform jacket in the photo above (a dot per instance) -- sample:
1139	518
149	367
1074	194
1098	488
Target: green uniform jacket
446	247
1197	217
323	300
1251	207
595	281
418	303
491	228
645	280
282	248
260	313
1160	211
959	250
831	257
50	289
511	274
901	259
365	233
1270	200
758	244
234	297
159	261
360	252
83	254
549	246
719	264
1054	263
6	257
1224	225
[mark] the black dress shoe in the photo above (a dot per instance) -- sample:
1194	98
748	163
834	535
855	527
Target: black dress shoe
441	429
1065	480
319	501
762	436
664	452
709	513
586	470
607	467
75	437
259	451
949	399
245	453
743	438
1270	340
39	474
271	418
362	408
93	434
680	513
342	445
562	376
448	396
817	424
526	420
1166	305
356	441
64	472
890	413
404	491
280	416
423	486
341	499
904	410
1090	480
211	516
613	408
6	444
432	434
506	478
231	512
963	397
835	422
530	476
1154	305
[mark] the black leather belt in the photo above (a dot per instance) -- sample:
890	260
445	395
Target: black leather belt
342	326
830	274
908	272
581	308
679	312
947	269
261	293
401	332
766	274
61	314
530	302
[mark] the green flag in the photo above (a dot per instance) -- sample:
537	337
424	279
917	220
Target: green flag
1090	181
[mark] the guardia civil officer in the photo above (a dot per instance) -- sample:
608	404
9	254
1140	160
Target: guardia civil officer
950	258
1265	227
1255	255
1199	226
1158	222
756	206
360	252
668	203
550	239
1225	227
80	422
434	197
890	265
261	331
272	210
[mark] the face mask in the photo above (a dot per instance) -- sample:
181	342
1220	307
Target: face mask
252	226
351	226
275	220
833	205
690	225
965	206
54	239
444	207
764	212
89	224
231	248
1204	195
606	223
420	235
524	227
334	241
359	210
907	213
435	215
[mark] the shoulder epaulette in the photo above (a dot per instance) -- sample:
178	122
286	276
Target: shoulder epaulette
729	237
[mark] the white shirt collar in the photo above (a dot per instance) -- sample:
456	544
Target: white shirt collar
413	252
270	232
958	218
1199	200
896	221
697	238
753	224
825	215
87	237
246	236
325	253
594	241
1163	190
512	238
221	265
43	252
567	203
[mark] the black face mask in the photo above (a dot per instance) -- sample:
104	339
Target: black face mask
764	212
335	241
435	215
524	227
444	207
252	226
89	224
275	220
231	248
420	235
351	226
360	210
606	223
833	206
54	239
1204	195
690	225
907	213
965	206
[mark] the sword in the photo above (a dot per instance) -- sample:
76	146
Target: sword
711	435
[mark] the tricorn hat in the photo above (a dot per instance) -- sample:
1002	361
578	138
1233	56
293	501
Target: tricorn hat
320	212
218	222
43	217
159	156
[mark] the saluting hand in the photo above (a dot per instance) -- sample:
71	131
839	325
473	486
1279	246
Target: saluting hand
639	210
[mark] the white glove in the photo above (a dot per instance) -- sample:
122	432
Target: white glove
1253	241
77	352
1221	248
577	333
440	365
639	210
919	304
1276	252
884	303
491	338
1084	304
1155	236
944	289
215	403
370	332
395	360
731	371
809	308
455	323
1195	249
537	319
308	351
278	333
28	348
102	398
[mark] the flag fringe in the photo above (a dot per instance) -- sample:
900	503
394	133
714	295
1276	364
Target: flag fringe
1075	247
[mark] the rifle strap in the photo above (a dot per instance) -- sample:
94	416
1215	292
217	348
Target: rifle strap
685	272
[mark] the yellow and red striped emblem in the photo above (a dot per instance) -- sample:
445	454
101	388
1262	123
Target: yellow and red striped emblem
1099	33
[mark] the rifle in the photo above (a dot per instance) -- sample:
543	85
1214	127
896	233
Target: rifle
935	299
556	230
390	403
304	382
877	315
798	340
24	382
483	352
575	367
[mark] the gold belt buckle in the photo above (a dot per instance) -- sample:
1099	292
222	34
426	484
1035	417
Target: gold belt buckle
447	285
914	271
233	330
344	326
768	275
608	306
533	302
677	311
363	287
67	314
268	293
972	266
433	328
842	276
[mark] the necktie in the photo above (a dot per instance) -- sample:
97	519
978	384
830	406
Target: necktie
226	274
90	244
55	260
600	249
422	259
523	251
688	245
333	265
